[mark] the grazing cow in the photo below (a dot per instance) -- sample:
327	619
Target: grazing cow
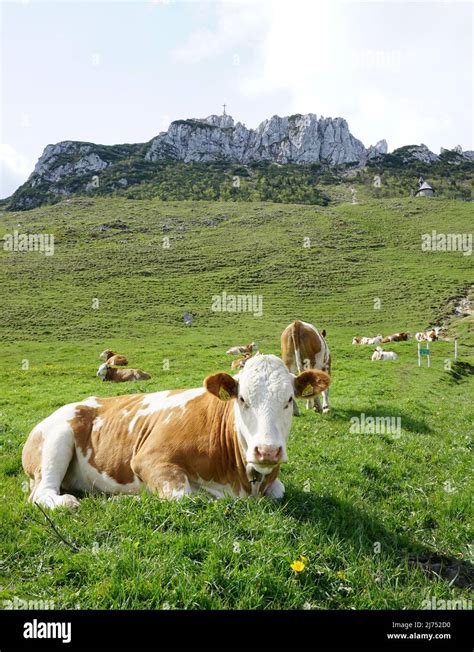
304	347
248	348
228	437
113	359
367	340
397	337
239	363
428	336
380	354
121	375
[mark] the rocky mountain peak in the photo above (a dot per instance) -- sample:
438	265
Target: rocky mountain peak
291	139
68	166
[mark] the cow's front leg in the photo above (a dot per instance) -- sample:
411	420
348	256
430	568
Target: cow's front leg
312	404
317	404
326	401
275	490
169	481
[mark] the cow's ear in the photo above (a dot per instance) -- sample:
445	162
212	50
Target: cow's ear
222	385
311	382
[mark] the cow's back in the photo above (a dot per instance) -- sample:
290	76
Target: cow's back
301	343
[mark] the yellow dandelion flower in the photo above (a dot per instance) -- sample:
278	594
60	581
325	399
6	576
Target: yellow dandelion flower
340	574
297	566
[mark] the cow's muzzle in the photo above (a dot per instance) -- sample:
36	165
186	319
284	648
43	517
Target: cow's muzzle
267	455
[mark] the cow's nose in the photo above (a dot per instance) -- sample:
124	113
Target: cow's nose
268	453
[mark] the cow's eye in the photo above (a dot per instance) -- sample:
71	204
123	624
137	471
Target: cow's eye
242	401
289	402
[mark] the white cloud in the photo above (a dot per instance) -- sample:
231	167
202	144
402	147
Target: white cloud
15	162
14	169
298	48
236	23
375	64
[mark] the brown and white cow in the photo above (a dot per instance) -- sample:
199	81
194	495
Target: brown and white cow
247	349
113	359
367	340
228	437
426	336
121	375
239	363
304	347
396	337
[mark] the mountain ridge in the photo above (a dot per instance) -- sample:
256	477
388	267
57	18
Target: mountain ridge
71	167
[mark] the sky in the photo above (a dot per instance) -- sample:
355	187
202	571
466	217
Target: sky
115	72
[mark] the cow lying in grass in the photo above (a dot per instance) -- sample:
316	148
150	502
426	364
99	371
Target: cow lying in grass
426	336
380	354
121	375
113	359
247	349
239	363
228	437
367	340
396	337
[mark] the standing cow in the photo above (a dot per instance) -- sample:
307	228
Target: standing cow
304	347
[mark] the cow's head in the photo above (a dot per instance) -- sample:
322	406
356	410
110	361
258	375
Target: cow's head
377	354
102	371
264	392
105	355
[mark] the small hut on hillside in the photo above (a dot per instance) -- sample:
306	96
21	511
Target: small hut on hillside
424	189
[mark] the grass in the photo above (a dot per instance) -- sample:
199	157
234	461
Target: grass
359	507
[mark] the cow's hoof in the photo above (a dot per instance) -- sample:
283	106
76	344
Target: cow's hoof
325	410
68	501
54	501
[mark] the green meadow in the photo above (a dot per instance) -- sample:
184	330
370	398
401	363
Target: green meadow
381	520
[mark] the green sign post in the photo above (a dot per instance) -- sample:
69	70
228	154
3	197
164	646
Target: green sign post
425	351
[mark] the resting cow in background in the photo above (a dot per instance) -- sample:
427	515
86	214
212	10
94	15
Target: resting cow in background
121	375
396	337
380	354
304	347
240	362
248	349
426	336
113	359
367	340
